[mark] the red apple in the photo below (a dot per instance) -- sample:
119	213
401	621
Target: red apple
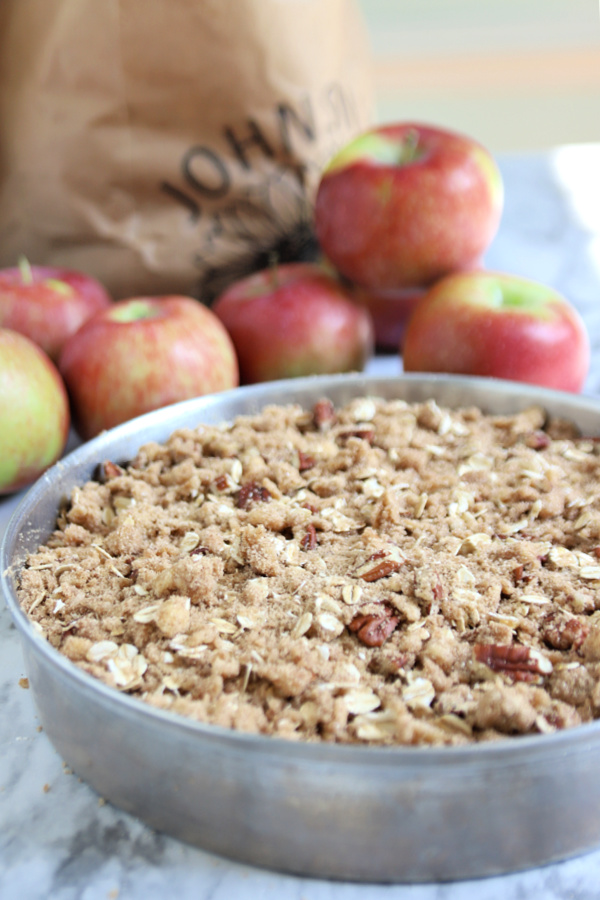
402	205
294	319
142	354
34	412
390	311
488	323
48	304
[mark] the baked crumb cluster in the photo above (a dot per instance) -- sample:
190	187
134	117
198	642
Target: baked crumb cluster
381	573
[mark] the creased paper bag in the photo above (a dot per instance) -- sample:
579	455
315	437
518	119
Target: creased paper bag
171	145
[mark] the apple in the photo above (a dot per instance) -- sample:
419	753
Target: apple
294	319
501	325
141	354
47	304
403	205
390	311
34	412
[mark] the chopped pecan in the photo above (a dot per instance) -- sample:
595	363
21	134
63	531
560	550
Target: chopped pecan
221	482
309	541
324	414
380	565
109	470
374	630
521	662
561	631
388	665
362	618
305	461
538	440
252	492
365	434
437	589
561	715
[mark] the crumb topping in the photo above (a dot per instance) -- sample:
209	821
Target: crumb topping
382	573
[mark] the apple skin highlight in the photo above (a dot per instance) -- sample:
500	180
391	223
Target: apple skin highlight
295	319
48	304
498	325
34	412
143	354
403	205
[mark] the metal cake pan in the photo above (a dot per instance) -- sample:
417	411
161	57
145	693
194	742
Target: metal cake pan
368	814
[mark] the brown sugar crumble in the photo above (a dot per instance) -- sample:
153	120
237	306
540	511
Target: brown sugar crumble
382	573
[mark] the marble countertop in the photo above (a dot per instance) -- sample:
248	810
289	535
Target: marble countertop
57	838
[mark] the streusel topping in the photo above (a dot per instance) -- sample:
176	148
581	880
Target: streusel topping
385	573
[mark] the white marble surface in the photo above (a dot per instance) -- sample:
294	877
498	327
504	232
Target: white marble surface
58	841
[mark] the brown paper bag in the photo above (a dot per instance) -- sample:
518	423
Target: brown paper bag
171	145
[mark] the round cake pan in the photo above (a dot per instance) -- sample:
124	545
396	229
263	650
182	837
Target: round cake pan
375	814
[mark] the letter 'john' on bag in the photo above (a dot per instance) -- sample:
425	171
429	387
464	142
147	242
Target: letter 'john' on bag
172	146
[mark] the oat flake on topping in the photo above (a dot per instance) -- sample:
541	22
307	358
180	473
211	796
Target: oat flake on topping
381	573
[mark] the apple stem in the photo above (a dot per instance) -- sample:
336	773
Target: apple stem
25	270
410	144
274	267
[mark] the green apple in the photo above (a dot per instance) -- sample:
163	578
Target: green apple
34	412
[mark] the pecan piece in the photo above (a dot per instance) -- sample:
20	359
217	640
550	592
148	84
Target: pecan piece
380	565
518	572
437	590
388	665
521	662
108	470
374	630
561	632
252	492
538	440
305	461
365	434
324	414
221	482
309	541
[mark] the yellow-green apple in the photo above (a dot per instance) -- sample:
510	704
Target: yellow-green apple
141	354
499	325
34	411
47	304
294	319
405	204
390	311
